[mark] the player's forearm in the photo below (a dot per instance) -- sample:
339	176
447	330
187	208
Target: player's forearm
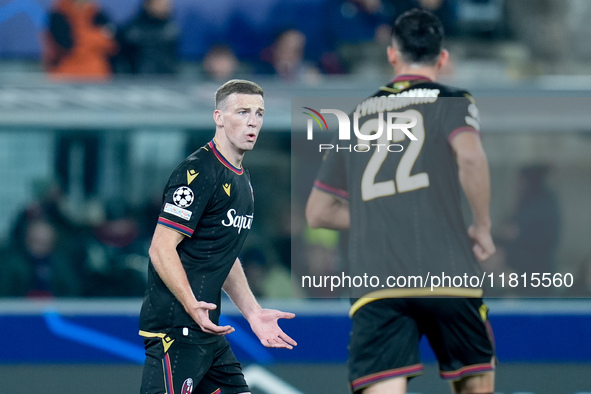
237	288
325	211
475	181
170	269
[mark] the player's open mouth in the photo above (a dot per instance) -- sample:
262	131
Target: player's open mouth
251	137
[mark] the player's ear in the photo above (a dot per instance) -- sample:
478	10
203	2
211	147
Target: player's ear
443	59
392	53
218	118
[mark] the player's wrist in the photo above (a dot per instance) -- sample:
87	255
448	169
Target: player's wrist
192	304
252	311
482	224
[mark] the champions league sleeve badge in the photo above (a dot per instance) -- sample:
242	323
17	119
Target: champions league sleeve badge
183	197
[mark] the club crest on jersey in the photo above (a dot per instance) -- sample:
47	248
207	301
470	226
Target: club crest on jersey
183	197
240	222
187	386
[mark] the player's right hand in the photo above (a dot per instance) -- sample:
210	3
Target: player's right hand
483	245
200	313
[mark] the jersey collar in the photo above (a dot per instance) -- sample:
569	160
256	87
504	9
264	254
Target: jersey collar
410	77
223	160
404	82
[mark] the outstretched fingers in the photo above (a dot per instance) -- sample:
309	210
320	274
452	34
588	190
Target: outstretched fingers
212	328
201	317
281	341
285	315
287	340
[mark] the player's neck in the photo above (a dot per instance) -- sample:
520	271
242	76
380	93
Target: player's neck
427	72
229	151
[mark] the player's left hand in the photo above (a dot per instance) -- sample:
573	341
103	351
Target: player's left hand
264	325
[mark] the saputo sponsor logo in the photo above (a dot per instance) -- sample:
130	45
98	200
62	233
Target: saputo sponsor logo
241	222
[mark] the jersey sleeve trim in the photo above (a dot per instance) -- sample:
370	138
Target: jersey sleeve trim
331	190
463	129
175	226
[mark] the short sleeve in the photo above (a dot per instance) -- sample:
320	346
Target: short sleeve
186	197
332	174
462	115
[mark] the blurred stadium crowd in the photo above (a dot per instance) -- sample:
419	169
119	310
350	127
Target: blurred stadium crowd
66	238
297	41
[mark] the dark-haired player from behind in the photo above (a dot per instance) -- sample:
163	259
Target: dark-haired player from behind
403	213
206	214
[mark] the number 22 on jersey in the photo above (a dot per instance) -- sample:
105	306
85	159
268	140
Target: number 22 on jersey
402	180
